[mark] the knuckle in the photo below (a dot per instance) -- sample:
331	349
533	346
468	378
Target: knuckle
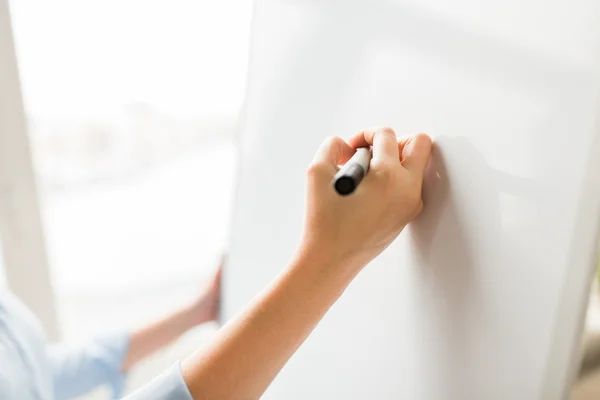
333	140
315	169
383	168
423	137
387	173
386	130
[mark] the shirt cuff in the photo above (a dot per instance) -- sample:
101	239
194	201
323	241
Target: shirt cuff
167	386
117	346
79	368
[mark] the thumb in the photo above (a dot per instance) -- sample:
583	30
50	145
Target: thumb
415	151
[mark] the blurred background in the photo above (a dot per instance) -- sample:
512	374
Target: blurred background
129	103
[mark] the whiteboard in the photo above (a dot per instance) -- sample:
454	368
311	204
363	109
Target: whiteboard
482	297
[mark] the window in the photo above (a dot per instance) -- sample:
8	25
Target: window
132	106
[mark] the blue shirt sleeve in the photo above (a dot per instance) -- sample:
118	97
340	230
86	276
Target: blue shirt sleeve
167	386
78	369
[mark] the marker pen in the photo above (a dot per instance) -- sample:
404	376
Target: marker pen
351	173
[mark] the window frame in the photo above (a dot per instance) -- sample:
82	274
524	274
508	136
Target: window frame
24	252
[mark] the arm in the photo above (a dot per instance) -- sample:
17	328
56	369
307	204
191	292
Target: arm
155	336
249	352
77	369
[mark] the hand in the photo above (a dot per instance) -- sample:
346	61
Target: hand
149	338
352	230
206	307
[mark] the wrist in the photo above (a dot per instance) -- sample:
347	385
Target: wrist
327	260
192	315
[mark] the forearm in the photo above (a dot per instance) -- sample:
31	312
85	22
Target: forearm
250	351
152	337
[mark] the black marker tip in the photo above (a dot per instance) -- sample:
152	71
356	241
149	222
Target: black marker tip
344	185
348	182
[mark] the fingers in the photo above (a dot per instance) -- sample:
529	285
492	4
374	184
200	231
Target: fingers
383	140
218	274
333	151
415	151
